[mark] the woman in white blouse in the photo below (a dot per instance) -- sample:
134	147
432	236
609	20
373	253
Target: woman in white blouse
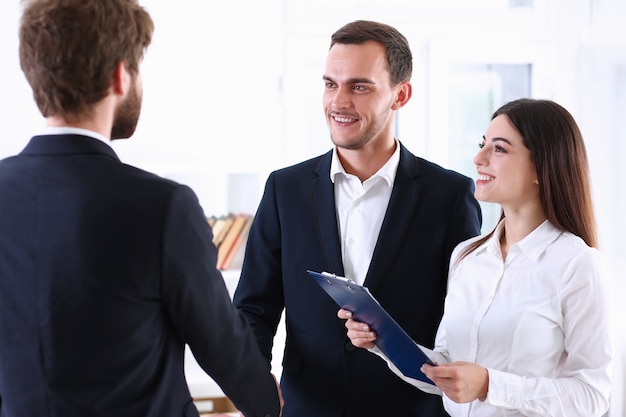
525	331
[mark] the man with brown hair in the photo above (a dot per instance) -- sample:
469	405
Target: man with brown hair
106	271
369	210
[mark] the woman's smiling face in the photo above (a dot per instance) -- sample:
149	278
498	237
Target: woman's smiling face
506	173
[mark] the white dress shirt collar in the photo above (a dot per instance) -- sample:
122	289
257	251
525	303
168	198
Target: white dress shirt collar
387	171
67	130
533	245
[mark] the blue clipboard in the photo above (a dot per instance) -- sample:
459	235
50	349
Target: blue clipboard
391	339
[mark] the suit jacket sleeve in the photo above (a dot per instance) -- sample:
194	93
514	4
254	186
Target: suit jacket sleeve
195	297
259	295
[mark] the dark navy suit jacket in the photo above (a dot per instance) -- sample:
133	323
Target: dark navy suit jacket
430	211
106	271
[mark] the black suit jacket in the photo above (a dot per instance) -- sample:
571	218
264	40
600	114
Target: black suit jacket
106	271
430	211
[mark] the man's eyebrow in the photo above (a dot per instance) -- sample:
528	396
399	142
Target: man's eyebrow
352	80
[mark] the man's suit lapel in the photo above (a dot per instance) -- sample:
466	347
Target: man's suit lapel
323	205
402	205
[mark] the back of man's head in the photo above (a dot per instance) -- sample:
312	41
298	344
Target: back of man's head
69	50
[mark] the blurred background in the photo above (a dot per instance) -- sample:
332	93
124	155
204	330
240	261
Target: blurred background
232	91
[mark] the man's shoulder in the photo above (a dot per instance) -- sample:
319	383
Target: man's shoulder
141	174
145	182
431	170
308	166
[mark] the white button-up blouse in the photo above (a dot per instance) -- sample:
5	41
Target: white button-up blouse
538	321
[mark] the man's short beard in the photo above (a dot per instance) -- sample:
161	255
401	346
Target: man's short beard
127	114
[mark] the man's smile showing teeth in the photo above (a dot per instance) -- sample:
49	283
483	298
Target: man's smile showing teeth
484	177
343	119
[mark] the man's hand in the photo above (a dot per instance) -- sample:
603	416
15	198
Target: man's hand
280	397
359	333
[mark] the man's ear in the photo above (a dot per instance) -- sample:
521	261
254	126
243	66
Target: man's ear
403	94
120	84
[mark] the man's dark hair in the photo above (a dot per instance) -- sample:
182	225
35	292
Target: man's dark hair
399	57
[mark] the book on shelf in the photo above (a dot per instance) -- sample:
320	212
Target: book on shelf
237	224
230	233
234	256
211	221
220	228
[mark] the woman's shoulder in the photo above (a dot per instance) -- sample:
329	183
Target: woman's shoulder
574	245
463	245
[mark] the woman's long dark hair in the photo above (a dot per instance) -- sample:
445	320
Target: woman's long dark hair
558	151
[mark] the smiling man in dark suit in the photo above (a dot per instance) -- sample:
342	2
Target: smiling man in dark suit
369	210
106	271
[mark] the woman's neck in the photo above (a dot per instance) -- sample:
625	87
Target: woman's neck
517	226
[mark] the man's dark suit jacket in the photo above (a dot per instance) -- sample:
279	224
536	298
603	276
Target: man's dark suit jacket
430	211
106	271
